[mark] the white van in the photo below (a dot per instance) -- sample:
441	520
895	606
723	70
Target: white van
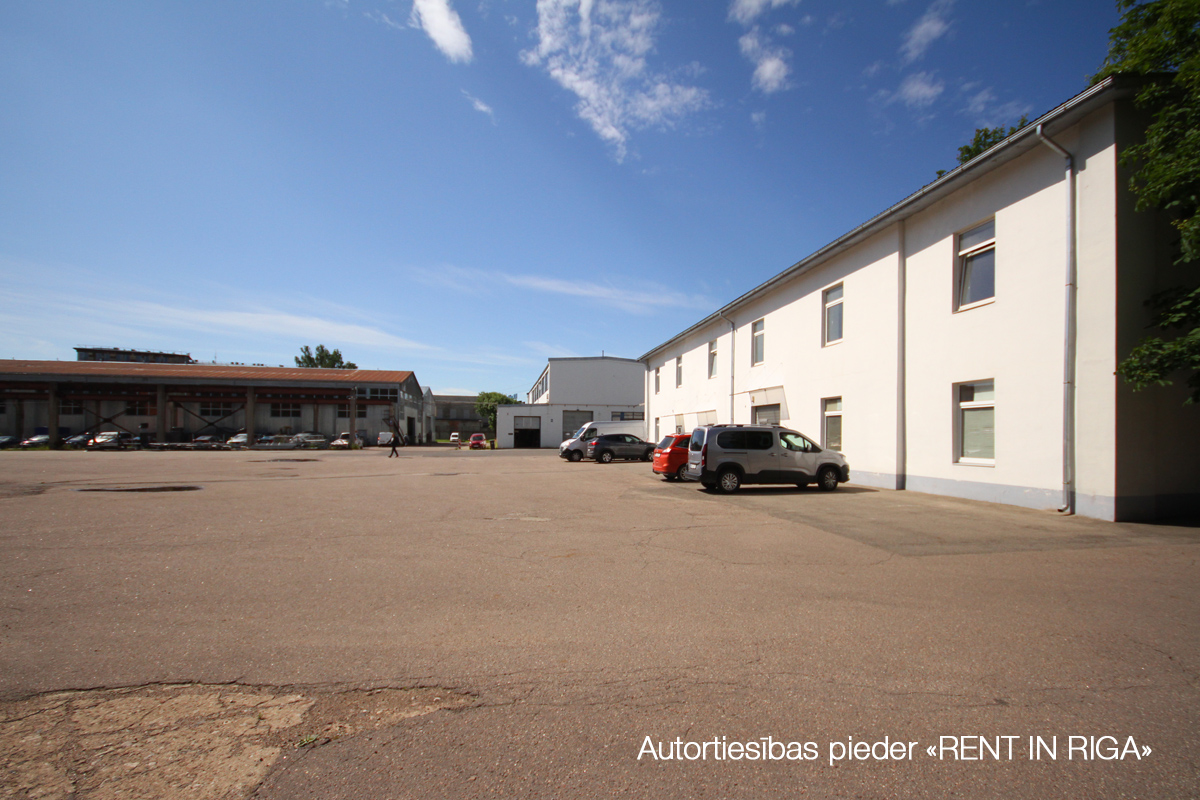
575	448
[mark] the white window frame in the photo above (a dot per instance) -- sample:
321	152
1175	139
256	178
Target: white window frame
678	371
657	379
826	414
965	255
712	359
960	407
758	342
829	305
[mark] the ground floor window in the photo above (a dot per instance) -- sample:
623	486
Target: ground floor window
216	409
975	423
621	416
657	435
765	415
831	428
285	410
679	423
343	411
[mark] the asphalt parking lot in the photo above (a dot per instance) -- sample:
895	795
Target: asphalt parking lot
478	624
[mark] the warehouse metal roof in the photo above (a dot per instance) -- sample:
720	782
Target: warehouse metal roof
173	373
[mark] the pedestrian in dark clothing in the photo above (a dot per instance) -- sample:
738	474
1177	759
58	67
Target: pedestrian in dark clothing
395	444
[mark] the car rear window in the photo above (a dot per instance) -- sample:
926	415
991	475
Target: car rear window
697	441
666	442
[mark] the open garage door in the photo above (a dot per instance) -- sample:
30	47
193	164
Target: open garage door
527	432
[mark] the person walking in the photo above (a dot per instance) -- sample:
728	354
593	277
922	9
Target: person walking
395	444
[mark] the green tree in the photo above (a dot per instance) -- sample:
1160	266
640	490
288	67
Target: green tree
1160	40
985	139
323	359
486	402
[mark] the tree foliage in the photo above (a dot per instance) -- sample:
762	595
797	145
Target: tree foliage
1160	40
984	140
323	358
486	403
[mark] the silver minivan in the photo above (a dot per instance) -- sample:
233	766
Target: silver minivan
724	457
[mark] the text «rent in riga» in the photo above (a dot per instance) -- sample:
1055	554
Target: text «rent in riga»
948	748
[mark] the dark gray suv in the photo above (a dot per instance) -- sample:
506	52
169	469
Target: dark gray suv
612	446
725	457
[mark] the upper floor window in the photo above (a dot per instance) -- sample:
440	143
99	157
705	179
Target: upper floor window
679	370
210	409
712	359
833	314
285	409
757	342
69	407
976	272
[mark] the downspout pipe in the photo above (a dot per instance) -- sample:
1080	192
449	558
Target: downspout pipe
732	359
1069	335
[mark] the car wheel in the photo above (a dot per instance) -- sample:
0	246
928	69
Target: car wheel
575	456
605	456
729	481
827	479
681	473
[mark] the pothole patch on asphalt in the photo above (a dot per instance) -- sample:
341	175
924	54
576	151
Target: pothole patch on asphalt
192	740
280	460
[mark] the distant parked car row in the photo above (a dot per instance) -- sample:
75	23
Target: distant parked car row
121	440
721	457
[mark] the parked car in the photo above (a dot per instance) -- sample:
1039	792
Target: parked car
112	440
612	446
238	440
725	457
208	441
265	438
40	440
454	439
278	441
311	440
478	441
9	441
384	439
77	441
671	456
575	448
342	442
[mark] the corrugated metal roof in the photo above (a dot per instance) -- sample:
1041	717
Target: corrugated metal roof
196	372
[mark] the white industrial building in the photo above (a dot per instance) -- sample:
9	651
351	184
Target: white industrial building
964	341
569	393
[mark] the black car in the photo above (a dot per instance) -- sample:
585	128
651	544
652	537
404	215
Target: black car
619	445
9	441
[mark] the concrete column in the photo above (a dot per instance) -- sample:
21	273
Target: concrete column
52	415
19	417
353	416
163	415
249	416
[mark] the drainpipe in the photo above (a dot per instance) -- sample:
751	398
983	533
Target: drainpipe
732	359
1068	457
901	356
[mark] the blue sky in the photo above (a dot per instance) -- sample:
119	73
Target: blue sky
464	188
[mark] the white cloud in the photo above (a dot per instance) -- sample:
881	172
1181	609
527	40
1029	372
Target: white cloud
986	112
597	50
646	300
919	90
384	19
746	11
771	67
759	118
444	27
932	25
480	106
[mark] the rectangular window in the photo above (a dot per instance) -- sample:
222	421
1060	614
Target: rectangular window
678	371
679	423
285	410
757	342
976	423
140	408
216	409
831	410
657	382
976	266
70	407
712	359
343	411
656	425
833	315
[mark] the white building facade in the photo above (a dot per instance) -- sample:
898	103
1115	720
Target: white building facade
569	393
964	342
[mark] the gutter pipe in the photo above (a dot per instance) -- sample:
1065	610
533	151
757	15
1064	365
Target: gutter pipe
1069	336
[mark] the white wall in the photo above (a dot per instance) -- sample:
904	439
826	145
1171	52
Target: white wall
551	416
600	380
